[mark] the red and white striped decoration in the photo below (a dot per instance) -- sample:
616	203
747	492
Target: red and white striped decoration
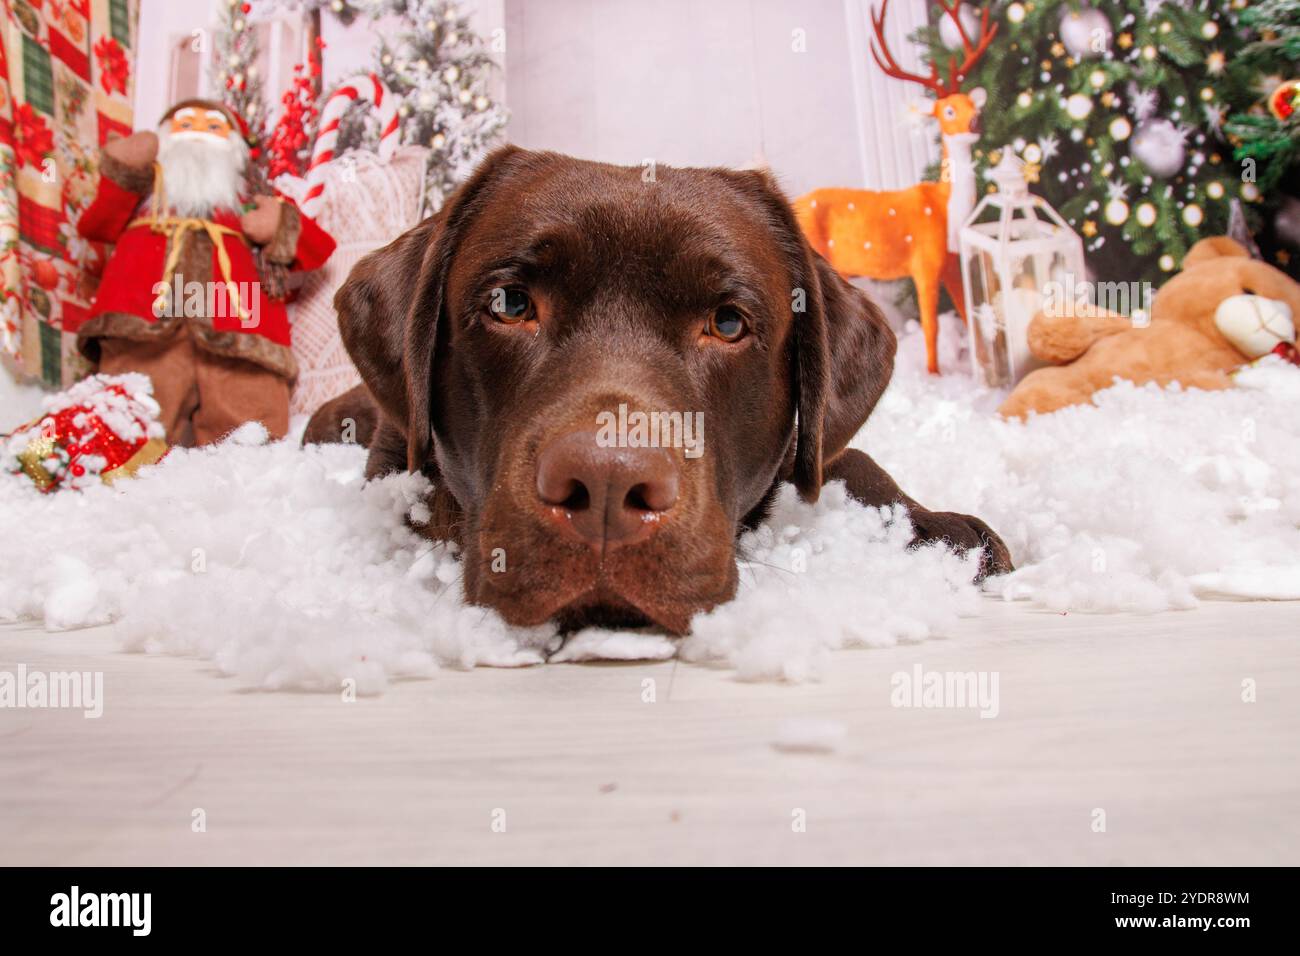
364	86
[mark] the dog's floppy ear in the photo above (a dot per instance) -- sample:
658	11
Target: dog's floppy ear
843	347
845	357
391	304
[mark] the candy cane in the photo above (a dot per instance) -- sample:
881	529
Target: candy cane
365	86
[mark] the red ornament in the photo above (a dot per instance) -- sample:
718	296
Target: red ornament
1285	100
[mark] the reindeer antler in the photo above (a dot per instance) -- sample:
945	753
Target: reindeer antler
885	60
956	74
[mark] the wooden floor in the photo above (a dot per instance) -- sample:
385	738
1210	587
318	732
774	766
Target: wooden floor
1139	717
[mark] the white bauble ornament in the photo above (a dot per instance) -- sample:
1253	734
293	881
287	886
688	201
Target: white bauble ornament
1159	146
1078	106
948	30
1086	32
1116	212
1016	13
1146	215
1192	215
1255	325
1120	128
1214	190
1166	262
1249	192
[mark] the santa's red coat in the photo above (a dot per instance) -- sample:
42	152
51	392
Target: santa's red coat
128	285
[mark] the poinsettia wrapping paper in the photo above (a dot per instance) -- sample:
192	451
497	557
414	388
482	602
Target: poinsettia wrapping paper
66	82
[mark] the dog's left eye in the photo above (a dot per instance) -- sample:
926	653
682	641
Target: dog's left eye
510	305
728	324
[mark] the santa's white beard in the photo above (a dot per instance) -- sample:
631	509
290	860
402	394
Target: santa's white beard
201	175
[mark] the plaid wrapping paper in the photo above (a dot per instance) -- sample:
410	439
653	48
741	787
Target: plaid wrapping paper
66	82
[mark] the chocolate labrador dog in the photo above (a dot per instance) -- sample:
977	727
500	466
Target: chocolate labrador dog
529	347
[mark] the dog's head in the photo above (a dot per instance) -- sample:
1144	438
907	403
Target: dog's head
610	369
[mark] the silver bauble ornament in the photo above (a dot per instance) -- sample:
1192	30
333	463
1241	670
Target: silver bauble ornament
1159	146
1085	32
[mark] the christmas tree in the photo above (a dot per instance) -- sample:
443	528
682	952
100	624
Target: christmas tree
439	68
1266	129
1118	112
234	61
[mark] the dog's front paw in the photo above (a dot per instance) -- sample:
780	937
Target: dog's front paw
964	532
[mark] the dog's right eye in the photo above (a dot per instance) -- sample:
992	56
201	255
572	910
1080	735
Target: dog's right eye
510	305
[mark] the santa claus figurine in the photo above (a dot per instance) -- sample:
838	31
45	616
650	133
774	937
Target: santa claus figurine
184	296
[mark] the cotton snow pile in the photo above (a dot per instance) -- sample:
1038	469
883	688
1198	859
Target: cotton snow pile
286	570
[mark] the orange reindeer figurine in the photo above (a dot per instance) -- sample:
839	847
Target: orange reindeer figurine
910	232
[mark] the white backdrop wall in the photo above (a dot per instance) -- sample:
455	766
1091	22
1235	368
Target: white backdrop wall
684	82
718	83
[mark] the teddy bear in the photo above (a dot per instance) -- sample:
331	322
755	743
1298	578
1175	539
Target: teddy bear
1223	311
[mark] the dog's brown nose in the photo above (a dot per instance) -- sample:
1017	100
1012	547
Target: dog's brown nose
608	496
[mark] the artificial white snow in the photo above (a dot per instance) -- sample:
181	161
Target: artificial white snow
285	569
602	644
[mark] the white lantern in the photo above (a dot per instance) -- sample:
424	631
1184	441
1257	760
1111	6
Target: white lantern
1016	254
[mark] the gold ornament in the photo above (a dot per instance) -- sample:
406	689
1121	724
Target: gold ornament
1089	228
1125	40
